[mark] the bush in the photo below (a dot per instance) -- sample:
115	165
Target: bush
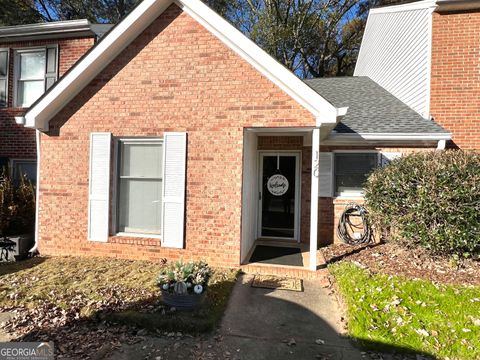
429	199
17	206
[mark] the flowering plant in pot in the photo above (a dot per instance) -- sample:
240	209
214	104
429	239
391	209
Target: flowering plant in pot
183	285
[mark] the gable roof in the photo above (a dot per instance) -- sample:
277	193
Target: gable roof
372	110
135	23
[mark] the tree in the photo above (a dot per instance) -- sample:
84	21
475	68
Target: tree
18	12
101	11
313	38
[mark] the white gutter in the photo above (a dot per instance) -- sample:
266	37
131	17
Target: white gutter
391	136
34	249
441	145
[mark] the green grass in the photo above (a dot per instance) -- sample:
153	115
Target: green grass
414	315
59	279
118	290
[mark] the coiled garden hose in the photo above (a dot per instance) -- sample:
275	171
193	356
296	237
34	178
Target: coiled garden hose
354	232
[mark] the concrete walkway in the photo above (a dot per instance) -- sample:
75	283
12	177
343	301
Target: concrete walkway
267	324
260	324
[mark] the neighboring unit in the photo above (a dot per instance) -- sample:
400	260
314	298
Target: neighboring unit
427	53
178	137
32	58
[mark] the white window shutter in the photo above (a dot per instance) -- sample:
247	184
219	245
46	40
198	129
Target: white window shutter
99	186
325	174
387	157
173	207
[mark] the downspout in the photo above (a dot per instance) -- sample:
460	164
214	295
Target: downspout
441	144
34	249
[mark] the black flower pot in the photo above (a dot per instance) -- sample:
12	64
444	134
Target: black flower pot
183	302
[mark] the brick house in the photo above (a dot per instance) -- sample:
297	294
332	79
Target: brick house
178	137
427	54
32	58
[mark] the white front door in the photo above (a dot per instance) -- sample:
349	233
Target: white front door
279	198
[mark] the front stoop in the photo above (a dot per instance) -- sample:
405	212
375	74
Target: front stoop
321	275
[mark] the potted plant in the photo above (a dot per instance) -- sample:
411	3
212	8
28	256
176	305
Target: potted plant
184	285
17	214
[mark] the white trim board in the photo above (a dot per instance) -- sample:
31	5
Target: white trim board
136	22
390	136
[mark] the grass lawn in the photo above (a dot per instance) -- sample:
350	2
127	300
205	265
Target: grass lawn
116	290
418	315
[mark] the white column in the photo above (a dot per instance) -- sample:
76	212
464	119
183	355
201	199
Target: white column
314	199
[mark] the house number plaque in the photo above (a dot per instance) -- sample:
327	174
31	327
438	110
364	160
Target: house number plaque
277	185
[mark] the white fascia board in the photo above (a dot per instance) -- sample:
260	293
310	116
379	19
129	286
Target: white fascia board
419	5
390	137
141	17
101	55
323	111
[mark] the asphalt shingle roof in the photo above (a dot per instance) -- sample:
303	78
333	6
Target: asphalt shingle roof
371	108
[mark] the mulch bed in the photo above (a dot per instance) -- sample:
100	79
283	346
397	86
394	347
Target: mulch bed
392	259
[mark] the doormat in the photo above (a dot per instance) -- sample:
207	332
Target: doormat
278	255
276	283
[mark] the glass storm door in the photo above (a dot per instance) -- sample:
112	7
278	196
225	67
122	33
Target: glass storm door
279	195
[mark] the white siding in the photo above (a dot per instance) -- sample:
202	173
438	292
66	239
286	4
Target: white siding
396	54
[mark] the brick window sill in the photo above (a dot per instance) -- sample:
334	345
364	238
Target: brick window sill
134	240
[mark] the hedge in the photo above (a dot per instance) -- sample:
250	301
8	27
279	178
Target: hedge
430	199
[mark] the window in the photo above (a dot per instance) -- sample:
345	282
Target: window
352	170
36	72
26	168
3	77
140	180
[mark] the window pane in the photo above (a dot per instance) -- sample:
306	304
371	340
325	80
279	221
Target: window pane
355	163
352	170
350	183
25	168
29	91
3	63
142	160
3	92
140	206
52	60
32	65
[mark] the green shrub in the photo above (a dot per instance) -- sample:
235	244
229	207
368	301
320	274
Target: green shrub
430	199
17	206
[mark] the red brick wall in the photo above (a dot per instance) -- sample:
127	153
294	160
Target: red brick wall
175	77
455	88
16	141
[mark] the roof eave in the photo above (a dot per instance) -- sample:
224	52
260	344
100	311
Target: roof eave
435	5
391	136
457	5
57	29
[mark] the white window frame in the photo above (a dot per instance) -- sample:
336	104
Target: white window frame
350	194
7	50
14	162
16	68
116	186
